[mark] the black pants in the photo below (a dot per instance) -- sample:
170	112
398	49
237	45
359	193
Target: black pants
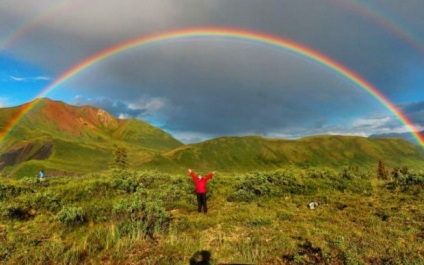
201	202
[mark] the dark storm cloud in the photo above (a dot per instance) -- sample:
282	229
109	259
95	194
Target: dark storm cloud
415	112
413	107
231	88
81	29
226	87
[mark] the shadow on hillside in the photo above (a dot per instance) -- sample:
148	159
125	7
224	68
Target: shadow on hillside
204	258
201	258
314	254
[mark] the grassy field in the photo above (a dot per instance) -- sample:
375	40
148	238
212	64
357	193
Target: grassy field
148	217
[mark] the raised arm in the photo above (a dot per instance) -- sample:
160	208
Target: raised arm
192	175
208	176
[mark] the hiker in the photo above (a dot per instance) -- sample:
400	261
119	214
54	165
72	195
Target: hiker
201	189
41	175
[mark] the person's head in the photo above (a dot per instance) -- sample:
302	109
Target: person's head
200	176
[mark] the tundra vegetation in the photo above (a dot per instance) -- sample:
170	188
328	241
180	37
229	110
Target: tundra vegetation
149	217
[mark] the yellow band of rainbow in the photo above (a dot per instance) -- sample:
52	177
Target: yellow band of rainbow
222	33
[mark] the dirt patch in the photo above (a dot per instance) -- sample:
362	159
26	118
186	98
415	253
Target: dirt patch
22	152
61	173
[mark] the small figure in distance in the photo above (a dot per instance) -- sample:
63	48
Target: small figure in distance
200	183
41	175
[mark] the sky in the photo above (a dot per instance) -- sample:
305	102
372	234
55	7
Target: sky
200	88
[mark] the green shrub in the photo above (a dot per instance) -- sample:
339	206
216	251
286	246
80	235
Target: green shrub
11	191
126	185
318	173
48	200
141	214
30	181
256	184
241	196
408	182
71	215
276	184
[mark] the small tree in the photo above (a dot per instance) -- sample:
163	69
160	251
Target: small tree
382	171
120	158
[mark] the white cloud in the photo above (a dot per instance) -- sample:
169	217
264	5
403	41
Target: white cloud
148	106
29	79
124	116
371	123
42	78
382	125
189	137
363	127
3	102
18	79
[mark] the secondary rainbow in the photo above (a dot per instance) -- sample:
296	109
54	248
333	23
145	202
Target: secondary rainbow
222	33
32	23
387	22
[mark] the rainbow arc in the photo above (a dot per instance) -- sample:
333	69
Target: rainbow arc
223	33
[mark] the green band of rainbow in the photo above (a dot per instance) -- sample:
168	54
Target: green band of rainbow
224	33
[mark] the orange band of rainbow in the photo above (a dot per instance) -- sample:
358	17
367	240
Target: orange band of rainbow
231	34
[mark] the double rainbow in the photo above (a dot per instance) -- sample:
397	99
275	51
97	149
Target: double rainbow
223	33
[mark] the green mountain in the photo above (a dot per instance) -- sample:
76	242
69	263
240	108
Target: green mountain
406	136
238	154
66	140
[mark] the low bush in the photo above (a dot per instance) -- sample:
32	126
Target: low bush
71	216
11	191
48	200
241	195
408	182
140	214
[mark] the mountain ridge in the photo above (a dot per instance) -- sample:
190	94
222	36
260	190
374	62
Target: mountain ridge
72	131
406	136
258	153
61	137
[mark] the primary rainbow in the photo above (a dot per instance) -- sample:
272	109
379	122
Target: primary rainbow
226	33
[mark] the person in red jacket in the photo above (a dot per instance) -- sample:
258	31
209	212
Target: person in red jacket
201	189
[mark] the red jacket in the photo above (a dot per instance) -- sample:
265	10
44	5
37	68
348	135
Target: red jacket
201	183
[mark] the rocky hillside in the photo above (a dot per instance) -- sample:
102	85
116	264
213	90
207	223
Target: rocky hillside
57	132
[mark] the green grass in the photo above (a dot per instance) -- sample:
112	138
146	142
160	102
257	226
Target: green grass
82	142
149	217
244	154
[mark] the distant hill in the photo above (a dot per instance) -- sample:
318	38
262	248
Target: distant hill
71	138
65	139
257	153
406	136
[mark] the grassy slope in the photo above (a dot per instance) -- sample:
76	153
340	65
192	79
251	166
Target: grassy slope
240	154
359	220
90	148
84	150
143	134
